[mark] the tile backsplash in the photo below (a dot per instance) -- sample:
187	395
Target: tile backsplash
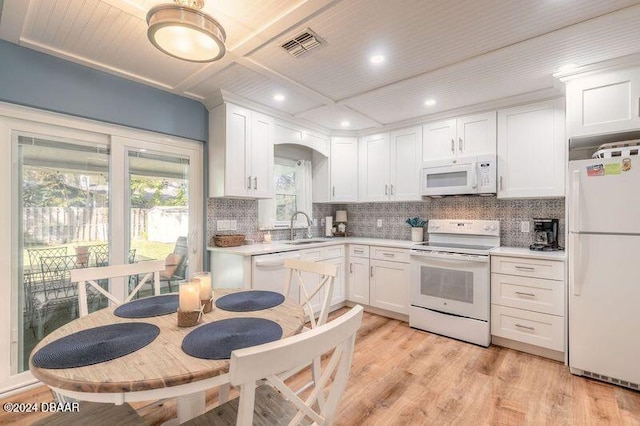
363	217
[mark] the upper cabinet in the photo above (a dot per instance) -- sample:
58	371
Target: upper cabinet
603	103
389	166
344	169
240	153
458	137
532	150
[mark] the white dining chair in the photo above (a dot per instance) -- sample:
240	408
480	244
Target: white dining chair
276	403
91	276
303	274
300	270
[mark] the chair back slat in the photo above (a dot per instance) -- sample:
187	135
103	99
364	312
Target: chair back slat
268	360
90	276
327	272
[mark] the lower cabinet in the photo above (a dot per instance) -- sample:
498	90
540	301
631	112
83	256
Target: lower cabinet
358	273
379	277
389	285
528	305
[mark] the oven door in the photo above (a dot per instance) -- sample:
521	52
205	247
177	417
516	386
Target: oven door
449	179
452	283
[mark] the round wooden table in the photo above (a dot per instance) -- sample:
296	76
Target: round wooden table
158	370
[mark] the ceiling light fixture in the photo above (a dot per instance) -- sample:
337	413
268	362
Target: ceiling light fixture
278	97
345	123
430	102
376	59
181	30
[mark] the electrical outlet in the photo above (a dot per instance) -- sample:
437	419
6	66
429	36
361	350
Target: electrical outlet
222	225
315	221
379	223
322	221
524	226
233	225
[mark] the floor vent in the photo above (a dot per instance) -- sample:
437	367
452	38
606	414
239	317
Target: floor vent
302	43
613	380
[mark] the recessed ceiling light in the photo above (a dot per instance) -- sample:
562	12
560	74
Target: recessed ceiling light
567	67
345	123
430	102
279	97
376	59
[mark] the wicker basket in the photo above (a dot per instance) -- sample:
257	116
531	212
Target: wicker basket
233	240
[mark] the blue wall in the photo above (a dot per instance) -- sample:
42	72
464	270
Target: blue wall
41	81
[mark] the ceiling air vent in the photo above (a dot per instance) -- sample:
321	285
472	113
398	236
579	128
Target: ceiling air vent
302	43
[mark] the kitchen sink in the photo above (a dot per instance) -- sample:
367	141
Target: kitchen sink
302	242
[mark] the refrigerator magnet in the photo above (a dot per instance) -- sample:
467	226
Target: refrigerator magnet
626	164
612	169
595	170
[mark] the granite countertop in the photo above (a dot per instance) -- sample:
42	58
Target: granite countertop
530	254
282	246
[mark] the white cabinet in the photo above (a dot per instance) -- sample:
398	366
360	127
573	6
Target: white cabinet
389	279
532	150
463	136
389	166
240	153
528	304
344	169
358	274
603	103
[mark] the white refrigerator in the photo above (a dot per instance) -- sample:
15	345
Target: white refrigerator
604	269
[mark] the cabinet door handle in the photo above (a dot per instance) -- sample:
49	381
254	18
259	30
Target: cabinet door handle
388	255
460	144
500	183
525	268
452	145
391	189
351	268
255	182
249	182
333	191
520	293
386	189
358	251
525	327
371	271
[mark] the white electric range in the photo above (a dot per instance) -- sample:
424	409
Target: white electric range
449	287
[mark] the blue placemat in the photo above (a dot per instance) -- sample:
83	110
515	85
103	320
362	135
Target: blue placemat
148	307
95	345
254	300
218	339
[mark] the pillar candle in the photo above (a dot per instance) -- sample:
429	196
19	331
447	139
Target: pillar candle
204	280
189	296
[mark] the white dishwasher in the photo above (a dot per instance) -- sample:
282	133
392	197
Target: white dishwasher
268	272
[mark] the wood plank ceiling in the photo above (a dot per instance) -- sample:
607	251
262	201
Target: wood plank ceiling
462	53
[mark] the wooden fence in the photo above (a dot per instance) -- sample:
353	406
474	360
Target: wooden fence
61	225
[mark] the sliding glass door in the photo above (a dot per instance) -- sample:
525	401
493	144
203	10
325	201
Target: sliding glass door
87	199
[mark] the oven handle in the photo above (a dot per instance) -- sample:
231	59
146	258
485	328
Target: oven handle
453	257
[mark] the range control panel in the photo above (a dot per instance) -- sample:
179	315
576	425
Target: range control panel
465	227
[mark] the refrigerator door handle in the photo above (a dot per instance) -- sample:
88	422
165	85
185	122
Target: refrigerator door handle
575	201
574	263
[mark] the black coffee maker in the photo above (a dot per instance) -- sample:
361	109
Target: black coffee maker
545	235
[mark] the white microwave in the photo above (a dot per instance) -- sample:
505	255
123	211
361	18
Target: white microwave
464	175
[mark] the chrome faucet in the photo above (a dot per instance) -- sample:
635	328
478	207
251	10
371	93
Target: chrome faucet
293	216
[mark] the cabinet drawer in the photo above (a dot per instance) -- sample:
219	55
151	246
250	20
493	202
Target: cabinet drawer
312	254
391	254
532	294
534	328
535	268
333	251
356	250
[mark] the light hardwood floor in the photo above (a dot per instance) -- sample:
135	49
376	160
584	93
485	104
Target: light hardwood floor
402	376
